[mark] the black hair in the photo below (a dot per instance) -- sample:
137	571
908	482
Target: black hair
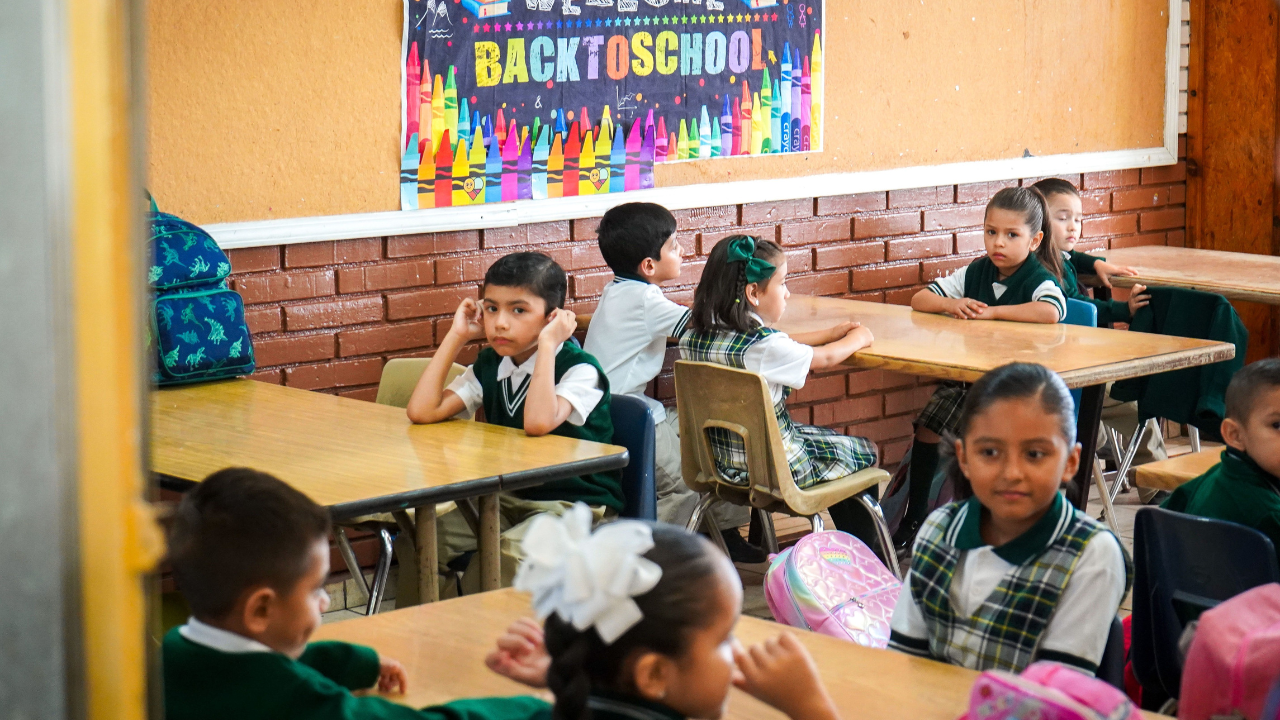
237	530
1248	382
720	302
532	271
630	232
680	603
1049	187
1030	202
1008	382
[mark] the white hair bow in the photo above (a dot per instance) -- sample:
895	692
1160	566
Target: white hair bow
588	579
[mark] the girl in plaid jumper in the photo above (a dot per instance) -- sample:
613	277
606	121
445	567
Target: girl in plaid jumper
1011	573
744	290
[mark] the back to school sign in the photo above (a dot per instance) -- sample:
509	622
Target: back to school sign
532	99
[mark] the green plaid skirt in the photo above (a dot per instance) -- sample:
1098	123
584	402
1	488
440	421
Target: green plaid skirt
942	413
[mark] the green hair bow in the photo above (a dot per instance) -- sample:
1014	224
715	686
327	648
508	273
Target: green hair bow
742	249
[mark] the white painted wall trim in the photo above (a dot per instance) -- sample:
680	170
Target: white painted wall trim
345	227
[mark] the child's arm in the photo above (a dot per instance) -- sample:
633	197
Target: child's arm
814	338
1105	270
521	654
834	353
545	411
430	401
927	301
781	673
1036	311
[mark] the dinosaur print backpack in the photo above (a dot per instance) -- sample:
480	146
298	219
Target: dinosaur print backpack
197	324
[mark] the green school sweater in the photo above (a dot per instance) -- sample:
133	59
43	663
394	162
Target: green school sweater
201	683
1109	311
1235	490
1018	287
504	405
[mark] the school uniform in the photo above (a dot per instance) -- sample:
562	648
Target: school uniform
606	705
814	454
1049	594
628	337
500	386
1236	490
980	280
1075	263
213	674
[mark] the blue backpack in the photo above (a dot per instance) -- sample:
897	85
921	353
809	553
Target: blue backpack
197	324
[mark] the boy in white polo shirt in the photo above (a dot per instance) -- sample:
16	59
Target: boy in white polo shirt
628	336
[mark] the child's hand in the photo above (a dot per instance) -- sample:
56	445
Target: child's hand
781	673
468	321
861	334
966	308
1138	298
392	677
1106	270
559	328
521	654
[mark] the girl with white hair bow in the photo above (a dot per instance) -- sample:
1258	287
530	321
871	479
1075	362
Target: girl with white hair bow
639	624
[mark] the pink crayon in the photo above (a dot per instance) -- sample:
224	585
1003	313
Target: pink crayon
735	144
413	92
585	123
424	104
806	104
646	159
744	146
631	175
510	167
660	149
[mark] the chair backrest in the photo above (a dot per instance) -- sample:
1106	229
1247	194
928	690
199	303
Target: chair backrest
714	396
1111	666
633	429
401	375
1082	313
1184	565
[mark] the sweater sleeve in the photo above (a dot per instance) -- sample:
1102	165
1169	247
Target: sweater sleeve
354	667
493	708
1083	262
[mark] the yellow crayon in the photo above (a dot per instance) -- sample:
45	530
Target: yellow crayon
475	181
757	127
427	177
815	81
587	164
461	172
437	114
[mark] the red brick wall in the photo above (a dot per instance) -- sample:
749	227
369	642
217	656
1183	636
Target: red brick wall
326	315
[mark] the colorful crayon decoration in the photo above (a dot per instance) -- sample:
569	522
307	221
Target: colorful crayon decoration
796	104
537	126
413	95
745	146
510	167
478	163
766	113
717	140
464	122
617	162
606	123
673	147
647	158
648	123
682	141
735	143
555	167
572	148
775	118
541	152
444	172
437	113
409	175
524	168
785	98
561	129
660	149
493	171
461	173
727	114
704	134
500	127
815	83
587	171
584	122
757	125
426	177
451	104
806	103
424	110
524	132
631	175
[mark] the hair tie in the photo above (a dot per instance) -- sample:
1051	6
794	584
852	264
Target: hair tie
742	249
588	579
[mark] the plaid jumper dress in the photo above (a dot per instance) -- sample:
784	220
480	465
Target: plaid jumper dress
1004	632
814	454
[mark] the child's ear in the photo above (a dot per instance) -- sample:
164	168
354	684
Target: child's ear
1073	463
1036	240
753	293
961	458
647	267
256	612
1233	434
651	673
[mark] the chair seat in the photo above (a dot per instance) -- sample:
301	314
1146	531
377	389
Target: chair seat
805	502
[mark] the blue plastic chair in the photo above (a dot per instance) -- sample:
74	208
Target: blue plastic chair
1083	313
633	429
1184	565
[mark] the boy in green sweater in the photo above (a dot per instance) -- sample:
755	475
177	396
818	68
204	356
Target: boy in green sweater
251	555
528	377
1244	488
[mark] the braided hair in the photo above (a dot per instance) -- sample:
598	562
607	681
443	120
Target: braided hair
1031	203
680	603
720	302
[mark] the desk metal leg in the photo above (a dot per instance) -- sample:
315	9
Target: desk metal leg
490	541
428	554
1090	417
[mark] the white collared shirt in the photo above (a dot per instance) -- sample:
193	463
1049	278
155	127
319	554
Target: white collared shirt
781	361
219	639
580	385
628	336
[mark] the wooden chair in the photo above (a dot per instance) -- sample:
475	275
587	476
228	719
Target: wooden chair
399	378
715	396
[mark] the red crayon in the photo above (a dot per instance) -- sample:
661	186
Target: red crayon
583	121
500	127
744	146
413	77
444	173
737	128
660	150
571	150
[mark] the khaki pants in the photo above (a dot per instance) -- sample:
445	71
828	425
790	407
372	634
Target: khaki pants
675	500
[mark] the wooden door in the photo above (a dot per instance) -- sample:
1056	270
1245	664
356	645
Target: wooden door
1233	111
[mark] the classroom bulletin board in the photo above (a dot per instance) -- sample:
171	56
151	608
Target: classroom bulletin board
290	109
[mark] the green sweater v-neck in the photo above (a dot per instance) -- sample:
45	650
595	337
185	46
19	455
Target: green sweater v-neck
1109	311
1236	490
201	683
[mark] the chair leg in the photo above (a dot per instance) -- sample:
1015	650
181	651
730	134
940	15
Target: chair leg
882	532
1130	453
1194	432
380	573
767	532
349	557
699	510
815	521
1108	510
713	529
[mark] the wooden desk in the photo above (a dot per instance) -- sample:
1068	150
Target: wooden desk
1239	276
946	348
1174	472
358	457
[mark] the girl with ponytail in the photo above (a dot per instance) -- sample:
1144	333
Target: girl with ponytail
639	622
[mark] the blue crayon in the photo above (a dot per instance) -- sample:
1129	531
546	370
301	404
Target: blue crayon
464	121
541	150
493	172
561	129
617	162
726	129
775	118
409	175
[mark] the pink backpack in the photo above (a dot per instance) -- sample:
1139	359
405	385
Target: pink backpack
832	583
1234	658
1047	691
